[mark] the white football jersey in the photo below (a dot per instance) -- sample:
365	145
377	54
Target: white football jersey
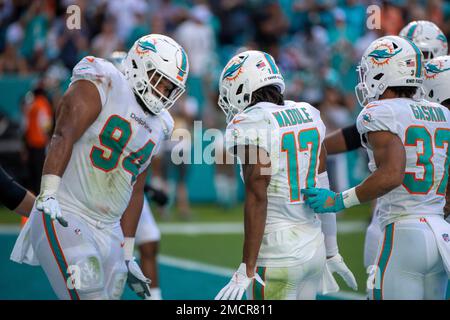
292	135
424	129
114	150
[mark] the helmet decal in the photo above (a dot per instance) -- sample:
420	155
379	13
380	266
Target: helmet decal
411	31
418	58
433	68
442	38
182	68
233	71
144	46
272	64
383	53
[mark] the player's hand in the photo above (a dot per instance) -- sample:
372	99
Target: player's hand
337	264
137	281
50	206
235	289
158	196
323	200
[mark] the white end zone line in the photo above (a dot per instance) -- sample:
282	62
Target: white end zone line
190	228
227	272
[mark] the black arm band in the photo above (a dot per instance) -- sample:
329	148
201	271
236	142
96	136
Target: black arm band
11	193
351	137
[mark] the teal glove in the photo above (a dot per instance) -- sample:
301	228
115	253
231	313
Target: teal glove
323	200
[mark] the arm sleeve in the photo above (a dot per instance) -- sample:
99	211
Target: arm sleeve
11	193
329	228
94	70
352	137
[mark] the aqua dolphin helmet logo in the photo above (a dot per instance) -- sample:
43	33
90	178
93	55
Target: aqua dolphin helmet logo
432	69
383	53
442	39
144	46
234	70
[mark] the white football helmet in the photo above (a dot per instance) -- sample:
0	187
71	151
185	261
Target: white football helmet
428	37
245	73
437	79
389	61
152	58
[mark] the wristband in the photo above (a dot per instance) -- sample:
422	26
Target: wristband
350	198
128	248
49	184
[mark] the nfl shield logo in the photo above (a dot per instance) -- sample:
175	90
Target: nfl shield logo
445	237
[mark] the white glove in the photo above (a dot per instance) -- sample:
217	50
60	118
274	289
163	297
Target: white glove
137	281
46	201
337	264
235	289
50	206
328	284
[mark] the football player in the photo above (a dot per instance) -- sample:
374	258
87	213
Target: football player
279	146
427	37
407	143
148	235
436	87
433	43
108	127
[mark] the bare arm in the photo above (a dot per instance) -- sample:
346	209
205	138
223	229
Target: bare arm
24	208
323	159
390	158
79	108
255	208
335	142
130	218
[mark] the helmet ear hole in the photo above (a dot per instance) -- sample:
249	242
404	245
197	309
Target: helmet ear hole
134	64
431	94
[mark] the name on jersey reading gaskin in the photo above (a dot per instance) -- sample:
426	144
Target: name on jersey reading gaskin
225	309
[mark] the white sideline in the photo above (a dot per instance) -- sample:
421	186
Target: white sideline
191	228
227	272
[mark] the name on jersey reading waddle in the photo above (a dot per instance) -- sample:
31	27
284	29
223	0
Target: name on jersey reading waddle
428	113
292	117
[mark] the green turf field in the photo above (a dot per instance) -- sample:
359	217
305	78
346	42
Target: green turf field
189	241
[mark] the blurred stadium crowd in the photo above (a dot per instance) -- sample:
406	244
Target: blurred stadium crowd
317	45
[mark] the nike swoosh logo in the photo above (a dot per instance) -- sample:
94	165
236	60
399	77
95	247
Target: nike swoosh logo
237	121
122	244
